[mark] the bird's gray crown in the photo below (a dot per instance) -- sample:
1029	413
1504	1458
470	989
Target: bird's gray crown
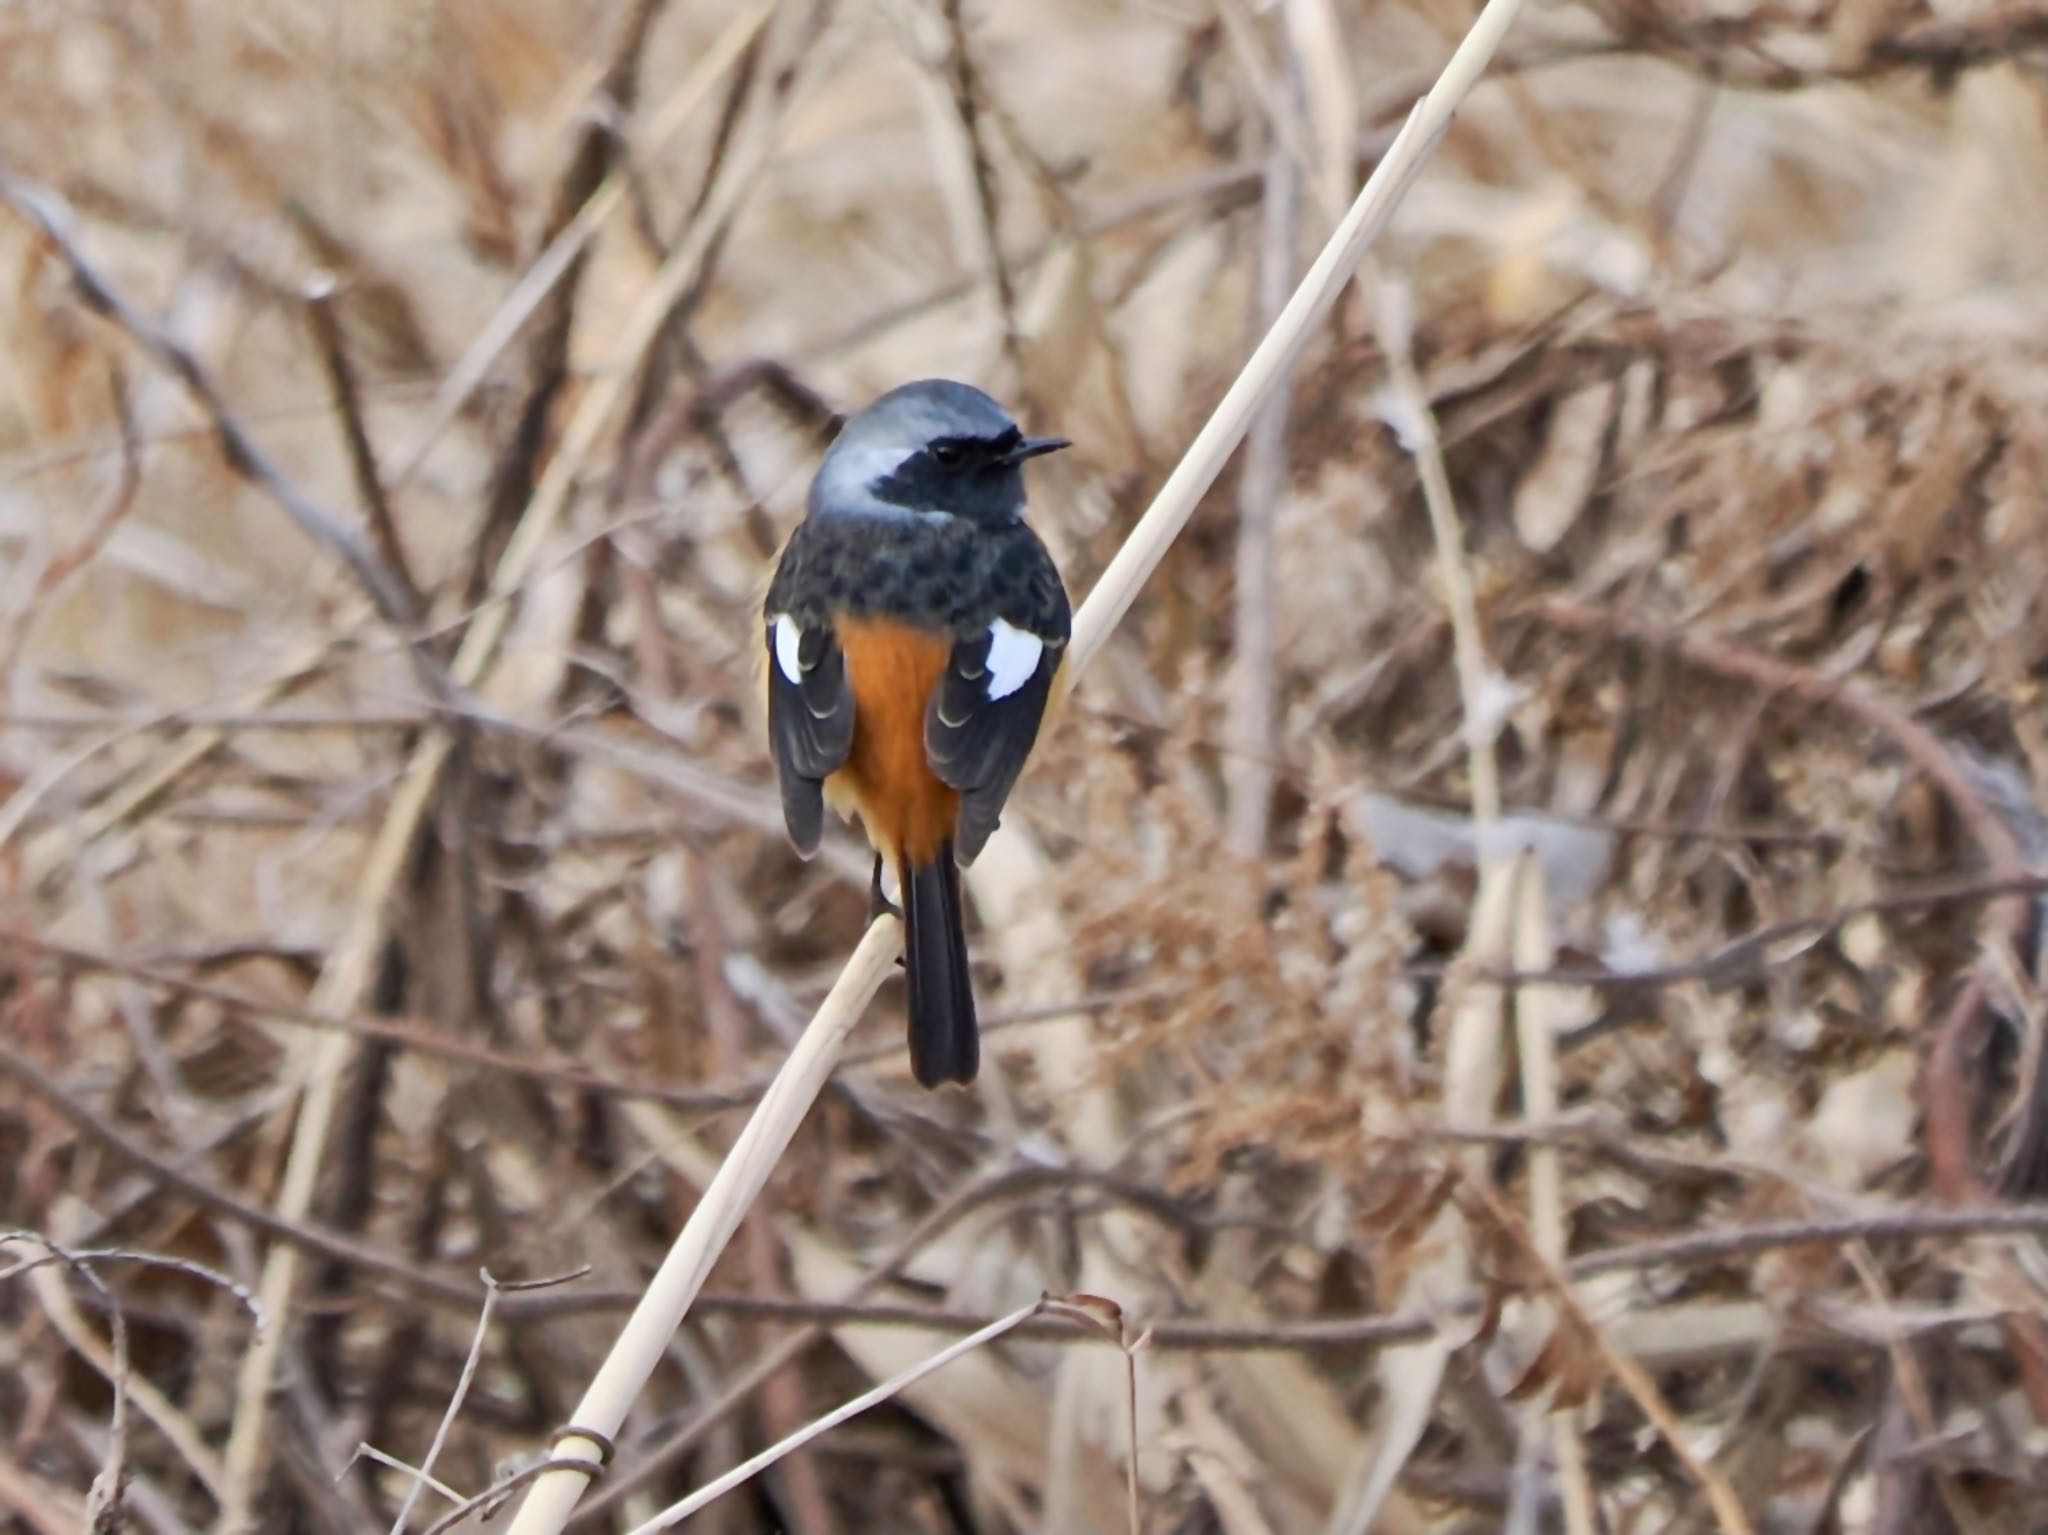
931	448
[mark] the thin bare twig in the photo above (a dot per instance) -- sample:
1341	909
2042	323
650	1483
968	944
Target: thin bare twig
1950	1098
1631	1375
419	1035
1694	1250
558	261
371	1453
66	563
965	84
971	1194
744	1472
91	1257
1414	423
1107	1318
239	450
362	453
493	1497
103	1503
455	1401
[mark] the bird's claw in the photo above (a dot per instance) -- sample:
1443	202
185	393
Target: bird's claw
878	903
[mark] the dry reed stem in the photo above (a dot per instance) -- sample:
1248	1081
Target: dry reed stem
1473	1051
343	984
1415	424
964	89
345	980
1642	1389
1311	85
1316	40
1107	1318
1196	472
645	1337
1411	1376
1534	948
1223	1464
695	1164
644	1340
1910	1385
177	1428
1627	1372
1251	707
1035	948
44	1507
344	383
748	1469
239	449
62	565
59	847
1198	468
548	268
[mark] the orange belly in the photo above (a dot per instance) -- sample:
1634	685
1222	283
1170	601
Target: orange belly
887	779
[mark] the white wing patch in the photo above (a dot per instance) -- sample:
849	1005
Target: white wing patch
787	636
1012	657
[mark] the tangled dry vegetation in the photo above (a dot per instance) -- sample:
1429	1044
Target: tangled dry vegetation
1728	320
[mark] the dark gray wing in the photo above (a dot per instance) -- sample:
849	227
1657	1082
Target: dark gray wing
977	744
810	724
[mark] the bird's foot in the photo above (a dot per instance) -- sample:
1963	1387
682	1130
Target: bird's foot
879	904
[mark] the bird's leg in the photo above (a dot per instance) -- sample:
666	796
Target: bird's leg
878	903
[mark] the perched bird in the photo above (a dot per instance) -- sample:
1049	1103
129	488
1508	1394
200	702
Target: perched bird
913	630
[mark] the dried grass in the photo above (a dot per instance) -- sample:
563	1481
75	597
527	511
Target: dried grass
1728	321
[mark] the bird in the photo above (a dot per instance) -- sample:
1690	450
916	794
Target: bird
913	630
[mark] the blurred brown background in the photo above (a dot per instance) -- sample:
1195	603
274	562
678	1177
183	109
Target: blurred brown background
1731	322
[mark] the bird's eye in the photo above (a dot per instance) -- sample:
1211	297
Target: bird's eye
951	454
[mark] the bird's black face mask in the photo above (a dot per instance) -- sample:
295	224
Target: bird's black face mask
979	478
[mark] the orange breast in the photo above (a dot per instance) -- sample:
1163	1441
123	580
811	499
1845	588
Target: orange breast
887	778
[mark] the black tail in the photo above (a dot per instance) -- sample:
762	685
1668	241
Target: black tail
945	1042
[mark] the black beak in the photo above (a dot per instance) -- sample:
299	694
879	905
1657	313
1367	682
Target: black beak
1031	447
